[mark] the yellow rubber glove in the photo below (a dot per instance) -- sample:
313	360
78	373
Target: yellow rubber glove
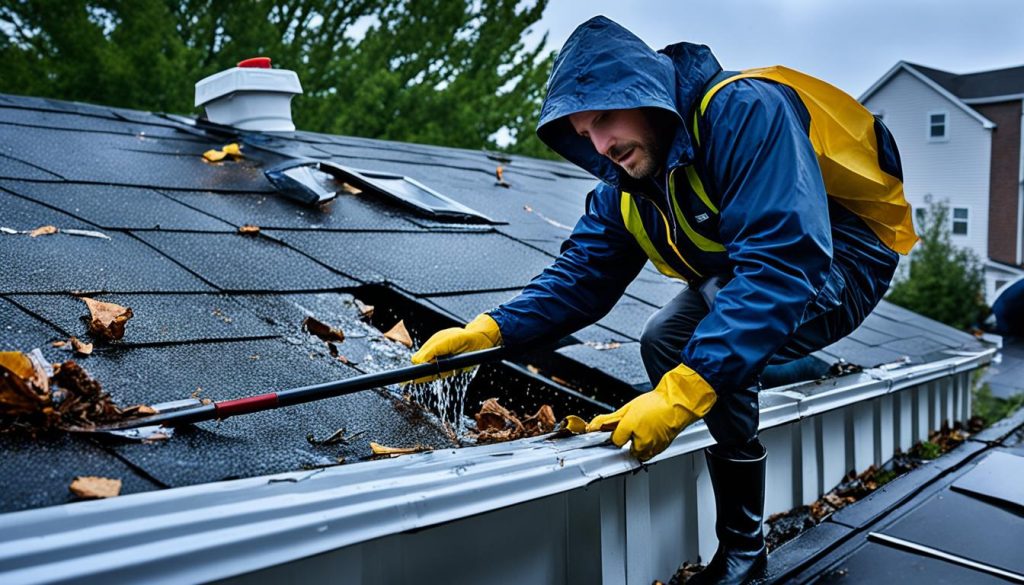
480	333
653	419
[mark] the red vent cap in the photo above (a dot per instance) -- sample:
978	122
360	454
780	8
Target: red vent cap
257	62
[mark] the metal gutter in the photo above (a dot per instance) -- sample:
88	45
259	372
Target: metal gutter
220	530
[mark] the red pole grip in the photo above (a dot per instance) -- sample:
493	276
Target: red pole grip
246	405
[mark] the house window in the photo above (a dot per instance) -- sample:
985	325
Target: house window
937	126
960	221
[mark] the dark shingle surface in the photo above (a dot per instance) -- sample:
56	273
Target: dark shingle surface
20	331
998	82
424	263
37	472
272	210
105	206
129	160
158	318
244	263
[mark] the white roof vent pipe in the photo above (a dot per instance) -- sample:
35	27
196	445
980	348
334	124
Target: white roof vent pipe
251	96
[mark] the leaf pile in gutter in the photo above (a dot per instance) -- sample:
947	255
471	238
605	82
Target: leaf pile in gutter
785	526
36	396
495	423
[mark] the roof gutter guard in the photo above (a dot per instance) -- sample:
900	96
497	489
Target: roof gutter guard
251	96
218	530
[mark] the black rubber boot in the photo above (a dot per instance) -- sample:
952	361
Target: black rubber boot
739	502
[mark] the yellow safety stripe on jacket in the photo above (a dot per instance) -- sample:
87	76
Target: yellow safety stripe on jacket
631	218
700	241
843	137
698	188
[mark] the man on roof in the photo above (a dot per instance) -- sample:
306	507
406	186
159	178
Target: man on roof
777	198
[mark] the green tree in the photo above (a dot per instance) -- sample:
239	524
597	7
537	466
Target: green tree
945	282
448	72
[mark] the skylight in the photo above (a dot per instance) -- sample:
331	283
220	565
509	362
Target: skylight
314	182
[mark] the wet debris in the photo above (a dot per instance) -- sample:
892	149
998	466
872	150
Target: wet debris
351	190
399	334
382	451
36	396
684	573
48	230
325	332
555	223
107	320
249	230
785	526
45	230
365	311
603	345
842	368
80	347
339	437
495	423
230	150
86	233
93	487
500	174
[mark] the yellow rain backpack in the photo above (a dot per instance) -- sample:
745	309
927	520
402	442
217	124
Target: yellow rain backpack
845	136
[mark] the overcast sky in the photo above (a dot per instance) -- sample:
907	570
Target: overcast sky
845	42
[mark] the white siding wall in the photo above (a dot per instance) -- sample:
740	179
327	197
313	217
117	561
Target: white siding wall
956	170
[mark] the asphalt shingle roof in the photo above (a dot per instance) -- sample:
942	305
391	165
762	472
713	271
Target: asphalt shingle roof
221	311
983	84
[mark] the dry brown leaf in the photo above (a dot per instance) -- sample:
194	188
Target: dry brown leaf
45	230
24	390
249	230
543	421
233	150
107	319
496	423
351	190
379	449
139	410
89	486
500	173
365	311
322	330
400	334
80	347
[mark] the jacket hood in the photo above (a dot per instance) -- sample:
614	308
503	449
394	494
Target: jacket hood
603	66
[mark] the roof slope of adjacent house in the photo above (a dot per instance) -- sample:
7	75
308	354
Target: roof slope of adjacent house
955	520
218	313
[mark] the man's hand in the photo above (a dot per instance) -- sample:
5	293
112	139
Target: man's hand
481	333
653	419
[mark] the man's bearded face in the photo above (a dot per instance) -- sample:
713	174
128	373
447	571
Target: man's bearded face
636	139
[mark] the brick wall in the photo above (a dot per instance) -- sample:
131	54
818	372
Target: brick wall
1004	182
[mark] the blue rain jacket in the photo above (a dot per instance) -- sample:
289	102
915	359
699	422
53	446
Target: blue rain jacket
772	219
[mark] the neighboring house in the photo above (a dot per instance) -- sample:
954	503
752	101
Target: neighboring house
960	140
